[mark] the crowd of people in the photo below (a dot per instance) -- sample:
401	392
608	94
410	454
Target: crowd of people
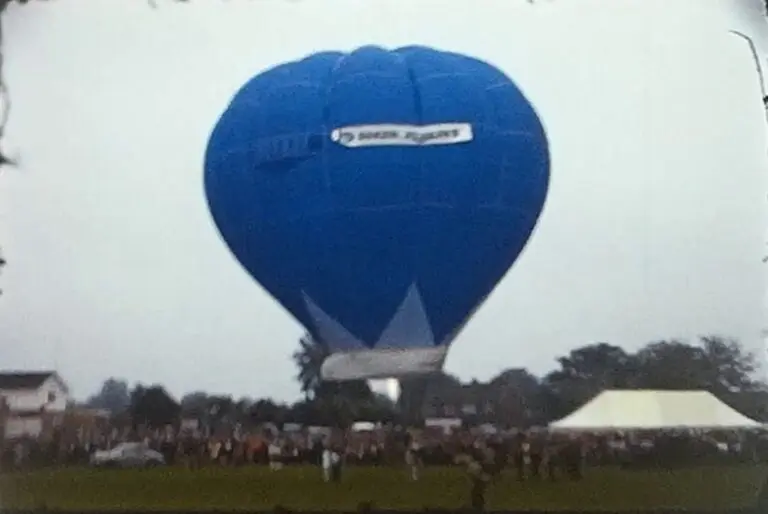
529	452
530	455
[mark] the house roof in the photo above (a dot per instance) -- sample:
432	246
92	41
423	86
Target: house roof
17	380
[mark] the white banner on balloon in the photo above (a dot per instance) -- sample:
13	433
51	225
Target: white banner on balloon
383	363
402	135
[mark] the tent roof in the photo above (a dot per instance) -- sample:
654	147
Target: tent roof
653	409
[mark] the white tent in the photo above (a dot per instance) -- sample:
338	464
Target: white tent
650	409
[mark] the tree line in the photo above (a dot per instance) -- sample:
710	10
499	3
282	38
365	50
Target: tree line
514	397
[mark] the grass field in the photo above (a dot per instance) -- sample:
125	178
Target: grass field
256	488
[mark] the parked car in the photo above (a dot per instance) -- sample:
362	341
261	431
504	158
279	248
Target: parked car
128	455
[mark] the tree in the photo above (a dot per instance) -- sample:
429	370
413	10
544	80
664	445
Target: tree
517	399
241	409
672	365
267	411
153	407
716	364
221	408
731	367
309	359
334	402
113	396
378	409
428	395
588	370
195	405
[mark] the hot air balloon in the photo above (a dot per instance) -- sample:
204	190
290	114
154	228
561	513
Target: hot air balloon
379	196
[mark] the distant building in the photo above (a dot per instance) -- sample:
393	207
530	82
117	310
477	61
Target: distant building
31	402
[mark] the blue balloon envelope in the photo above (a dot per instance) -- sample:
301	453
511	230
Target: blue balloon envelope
379	196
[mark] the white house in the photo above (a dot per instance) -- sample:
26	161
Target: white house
30	401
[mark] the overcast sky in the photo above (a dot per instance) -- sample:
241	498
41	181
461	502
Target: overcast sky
654	226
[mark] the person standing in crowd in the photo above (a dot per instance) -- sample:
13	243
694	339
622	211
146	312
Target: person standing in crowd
573	458
168	450
536	455
326	461
520	448
413	458
336	464
552	457
275	454
317	450
501	451
226	452
479	475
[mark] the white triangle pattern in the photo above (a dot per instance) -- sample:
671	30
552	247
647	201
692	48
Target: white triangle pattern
331	332
408	328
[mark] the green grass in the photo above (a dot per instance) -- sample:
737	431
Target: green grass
257	488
